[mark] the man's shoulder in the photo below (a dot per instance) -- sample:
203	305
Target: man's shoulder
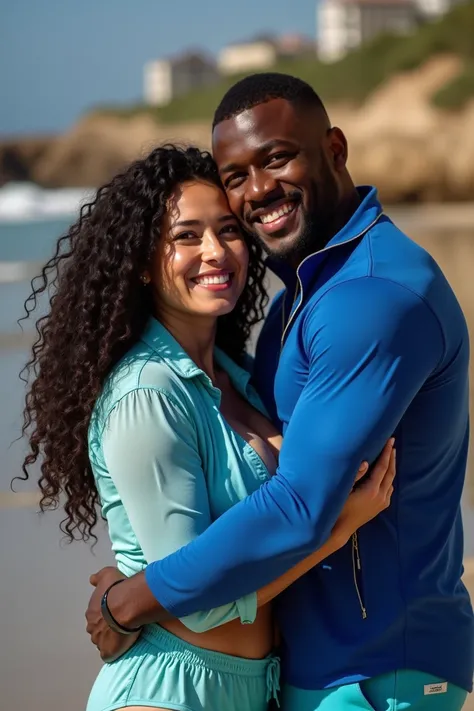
361	292
387	264
394	255
367	309
398	259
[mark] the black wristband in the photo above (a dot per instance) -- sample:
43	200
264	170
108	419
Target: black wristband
110	619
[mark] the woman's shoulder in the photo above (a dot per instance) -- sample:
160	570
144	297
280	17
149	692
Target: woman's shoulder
140	369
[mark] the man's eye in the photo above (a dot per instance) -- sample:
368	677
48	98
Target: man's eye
280	158
235	180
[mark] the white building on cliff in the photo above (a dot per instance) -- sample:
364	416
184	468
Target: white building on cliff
165	79
343	25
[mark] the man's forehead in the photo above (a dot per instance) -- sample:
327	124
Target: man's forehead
269	122
262	117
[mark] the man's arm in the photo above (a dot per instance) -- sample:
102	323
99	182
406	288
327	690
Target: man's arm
363	504
372	344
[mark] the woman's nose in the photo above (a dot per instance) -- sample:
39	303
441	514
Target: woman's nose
212	247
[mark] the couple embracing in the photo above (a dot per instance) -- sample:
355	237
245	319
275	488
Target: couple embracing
287	528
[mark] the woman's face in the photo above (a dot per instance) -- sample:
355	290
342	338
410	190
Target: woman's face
200	263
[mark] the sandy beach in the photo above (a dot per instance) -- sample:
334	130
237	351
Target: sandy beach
47	606
469	580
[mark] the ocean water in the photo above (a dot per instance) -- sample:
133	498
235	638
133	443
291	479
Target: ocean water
46	660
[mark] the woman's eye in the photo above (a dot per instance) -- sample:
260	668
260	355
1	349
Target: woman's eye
185	236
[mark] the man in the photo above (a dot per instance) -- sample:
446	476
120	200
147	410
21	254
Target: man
366	341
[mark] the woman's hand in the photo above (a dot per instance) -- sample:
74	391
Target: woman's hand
110	644
371	496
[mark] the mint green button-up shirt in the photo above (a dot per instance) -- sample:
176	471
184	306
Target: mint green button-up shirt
165	461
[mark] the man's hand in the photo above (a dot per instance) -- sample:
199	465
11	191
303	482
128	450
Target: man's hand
110	644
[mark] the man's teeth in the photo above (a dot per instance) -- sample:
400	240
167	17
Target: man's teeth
272	216
223	279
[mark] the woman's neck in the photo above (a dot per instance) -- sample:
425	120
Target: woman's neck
196	335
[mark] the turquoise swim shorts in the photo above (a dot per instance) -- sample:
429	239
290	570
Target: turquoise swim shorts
161	670
404	690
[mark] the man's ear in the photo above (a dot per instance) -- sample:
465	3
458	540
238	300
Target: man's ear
338	149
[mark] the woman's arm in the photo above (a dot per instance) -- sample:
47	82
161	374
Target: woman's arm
151	454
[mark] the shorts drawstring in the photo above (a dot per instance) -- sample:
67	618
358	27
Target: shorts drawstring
273	679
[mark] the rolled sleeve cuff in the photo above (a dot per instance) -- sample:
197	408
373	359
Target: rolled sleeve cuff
247	608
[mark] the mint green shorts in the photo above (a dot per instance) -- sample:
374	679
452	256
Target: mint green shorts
403	690
161	670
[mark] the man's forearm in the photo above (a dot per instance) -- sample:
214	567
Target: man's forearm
339	537
132	604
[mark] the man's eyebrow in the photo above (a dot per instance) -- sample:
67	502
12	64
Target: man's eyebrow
265	148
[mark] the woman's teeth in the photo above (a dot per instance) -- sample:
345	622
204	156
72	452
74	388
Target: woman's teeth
205	280
281	212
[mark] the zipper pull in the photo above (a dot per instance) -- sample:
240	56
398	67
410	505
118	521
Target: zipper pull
355	542
356	565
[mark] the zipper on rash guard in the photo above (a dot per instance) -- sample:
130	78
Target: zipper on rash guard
299	286
356	563
283	315
357	571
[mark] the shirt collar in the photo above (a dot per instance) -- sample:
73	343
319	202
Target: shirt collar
157	337
239	376
368	211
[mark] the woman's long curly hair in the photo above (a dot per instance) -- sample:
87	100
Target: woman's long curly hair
98	310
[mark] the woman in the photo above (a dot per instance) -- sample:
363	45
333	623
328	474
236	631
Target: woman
140	401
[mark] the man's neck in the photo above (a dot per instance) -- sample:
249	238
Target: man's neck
347	207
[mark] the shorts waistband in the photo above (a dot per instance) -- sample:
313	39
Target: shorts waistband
226	663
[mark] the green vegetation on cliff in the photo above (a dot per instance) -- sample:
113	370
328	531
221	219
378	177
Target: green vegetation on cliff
355	76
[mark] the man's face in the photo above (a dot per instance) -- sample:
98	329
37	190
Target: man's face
281	168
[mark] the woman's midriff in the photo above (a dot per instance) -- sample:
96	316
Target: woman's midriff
251	641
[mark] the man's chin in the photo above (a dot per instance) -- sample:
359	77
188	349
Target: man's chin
279	247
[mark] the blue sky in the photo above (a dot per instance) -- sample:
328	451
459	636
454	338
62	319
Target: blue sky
58	58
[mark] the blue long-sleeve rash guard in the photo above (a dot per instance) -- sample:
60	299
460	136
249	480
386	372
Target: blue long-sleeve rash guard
376	345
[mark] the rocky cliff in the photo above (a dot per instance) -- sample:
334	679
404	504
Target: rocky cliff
397	141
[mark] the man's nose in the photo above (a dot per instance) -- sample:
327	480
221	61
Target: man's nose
260	184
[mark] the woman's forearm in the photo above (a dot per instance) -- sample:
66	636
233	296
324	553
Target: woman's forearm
337	540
